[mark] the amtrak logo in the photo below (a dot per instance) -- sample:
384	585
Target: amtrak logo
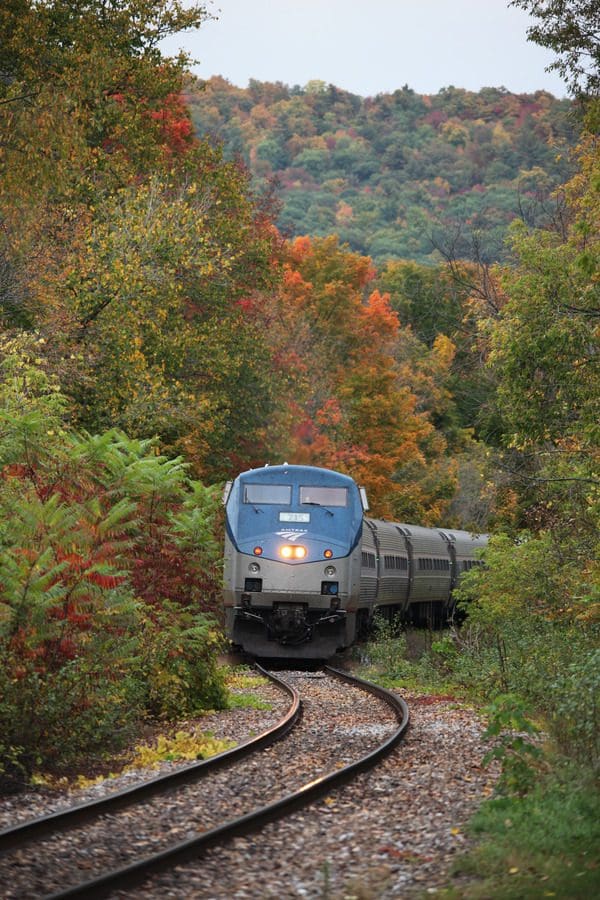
290	535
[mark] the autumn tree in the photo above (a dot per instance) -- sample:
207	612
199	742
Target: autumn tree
87	105
87	97
545	353
149	332
572	29
385	172
351	409
132	251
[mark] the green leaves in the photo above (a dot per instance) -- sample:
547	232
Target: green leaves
571	30
519	758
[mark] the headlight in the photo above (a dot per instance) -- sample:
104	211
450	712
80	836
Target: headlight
329	571
254	567
292	551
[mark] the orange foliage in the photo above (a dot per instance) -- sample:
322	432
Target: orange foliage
175	124
347	407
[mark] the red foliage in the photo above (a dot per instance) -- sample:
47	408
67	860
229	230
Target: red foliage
105	581
176	126
16	470
164	571
435	117
247	304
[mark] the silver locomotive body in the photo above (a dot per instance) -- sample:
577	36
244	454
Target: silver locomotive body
292	561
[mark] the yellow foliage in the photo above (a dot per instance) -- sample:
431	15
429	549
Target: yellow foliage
445	350
183	746
242	680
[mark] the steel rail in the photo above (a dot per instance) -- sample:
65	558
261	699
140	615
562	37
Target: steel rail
73	816
135	873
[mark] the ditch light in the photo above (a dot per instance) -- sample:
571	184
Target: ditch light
292	551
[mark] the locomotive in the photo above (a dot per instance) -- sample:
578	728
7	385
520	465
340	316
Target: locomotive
306	569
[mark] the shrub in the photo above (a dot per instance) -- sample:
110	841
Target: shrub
575	713
528	633
90	705
84	522
508	727
178	662
387	650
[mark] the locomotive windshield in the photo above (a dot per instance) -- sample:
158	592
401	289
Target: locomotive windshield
268	493
324	496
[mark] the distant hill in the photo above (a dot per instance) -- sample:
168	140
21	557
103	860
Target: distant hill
396	174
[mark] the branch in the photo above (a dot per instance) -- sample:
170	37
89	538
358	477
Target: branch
573	478
20	97
93	315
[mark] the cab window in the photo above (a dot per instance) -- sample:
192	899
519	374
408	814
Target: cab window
324	496
268	493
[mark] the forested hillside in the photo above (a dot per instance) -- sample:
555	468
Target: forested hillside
396	175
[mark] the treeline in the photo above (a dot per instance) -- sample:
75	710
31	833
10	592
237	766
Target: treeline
126	247
159	335
401	175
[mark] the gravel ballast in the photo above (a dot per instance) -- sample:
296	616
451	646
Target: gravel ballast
391	832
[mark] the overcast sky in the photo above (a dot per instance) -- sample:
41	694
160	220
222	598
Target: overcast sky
371	46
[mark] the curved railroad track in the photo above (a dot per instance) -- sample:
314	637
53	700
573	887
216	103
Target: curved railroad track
143	841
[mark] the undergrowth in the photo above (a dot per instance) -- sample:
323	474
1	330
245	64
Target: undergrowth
181	746
243	679
542	844
536	682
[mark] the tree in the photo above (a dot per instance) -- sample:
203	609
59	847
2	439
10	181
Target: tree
149	328
544	352
370	170
85	92
87	106
544	343
349	406
130	244
572	29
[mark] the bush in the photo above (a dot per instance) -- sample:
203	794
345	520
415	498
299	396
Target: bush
48	720
160	663
387	649
178	662
575	712
527	633
508	727
107	551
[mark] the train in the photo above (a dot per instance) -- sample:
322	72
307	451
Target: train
306	569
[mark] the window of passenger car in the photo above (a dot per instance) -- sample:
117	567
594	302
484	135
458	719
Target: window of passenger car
324	496
268	493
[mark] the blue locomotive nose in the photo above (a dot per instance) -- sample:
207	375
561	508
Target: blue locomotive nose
294	514
293	535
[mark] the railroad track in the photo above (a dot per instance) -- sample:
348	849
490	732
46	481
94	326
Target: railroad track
148	850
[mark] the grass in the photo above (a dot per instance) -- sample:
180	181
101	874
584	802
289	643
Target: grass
240	678
247	701
243	679
386	661
545	844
